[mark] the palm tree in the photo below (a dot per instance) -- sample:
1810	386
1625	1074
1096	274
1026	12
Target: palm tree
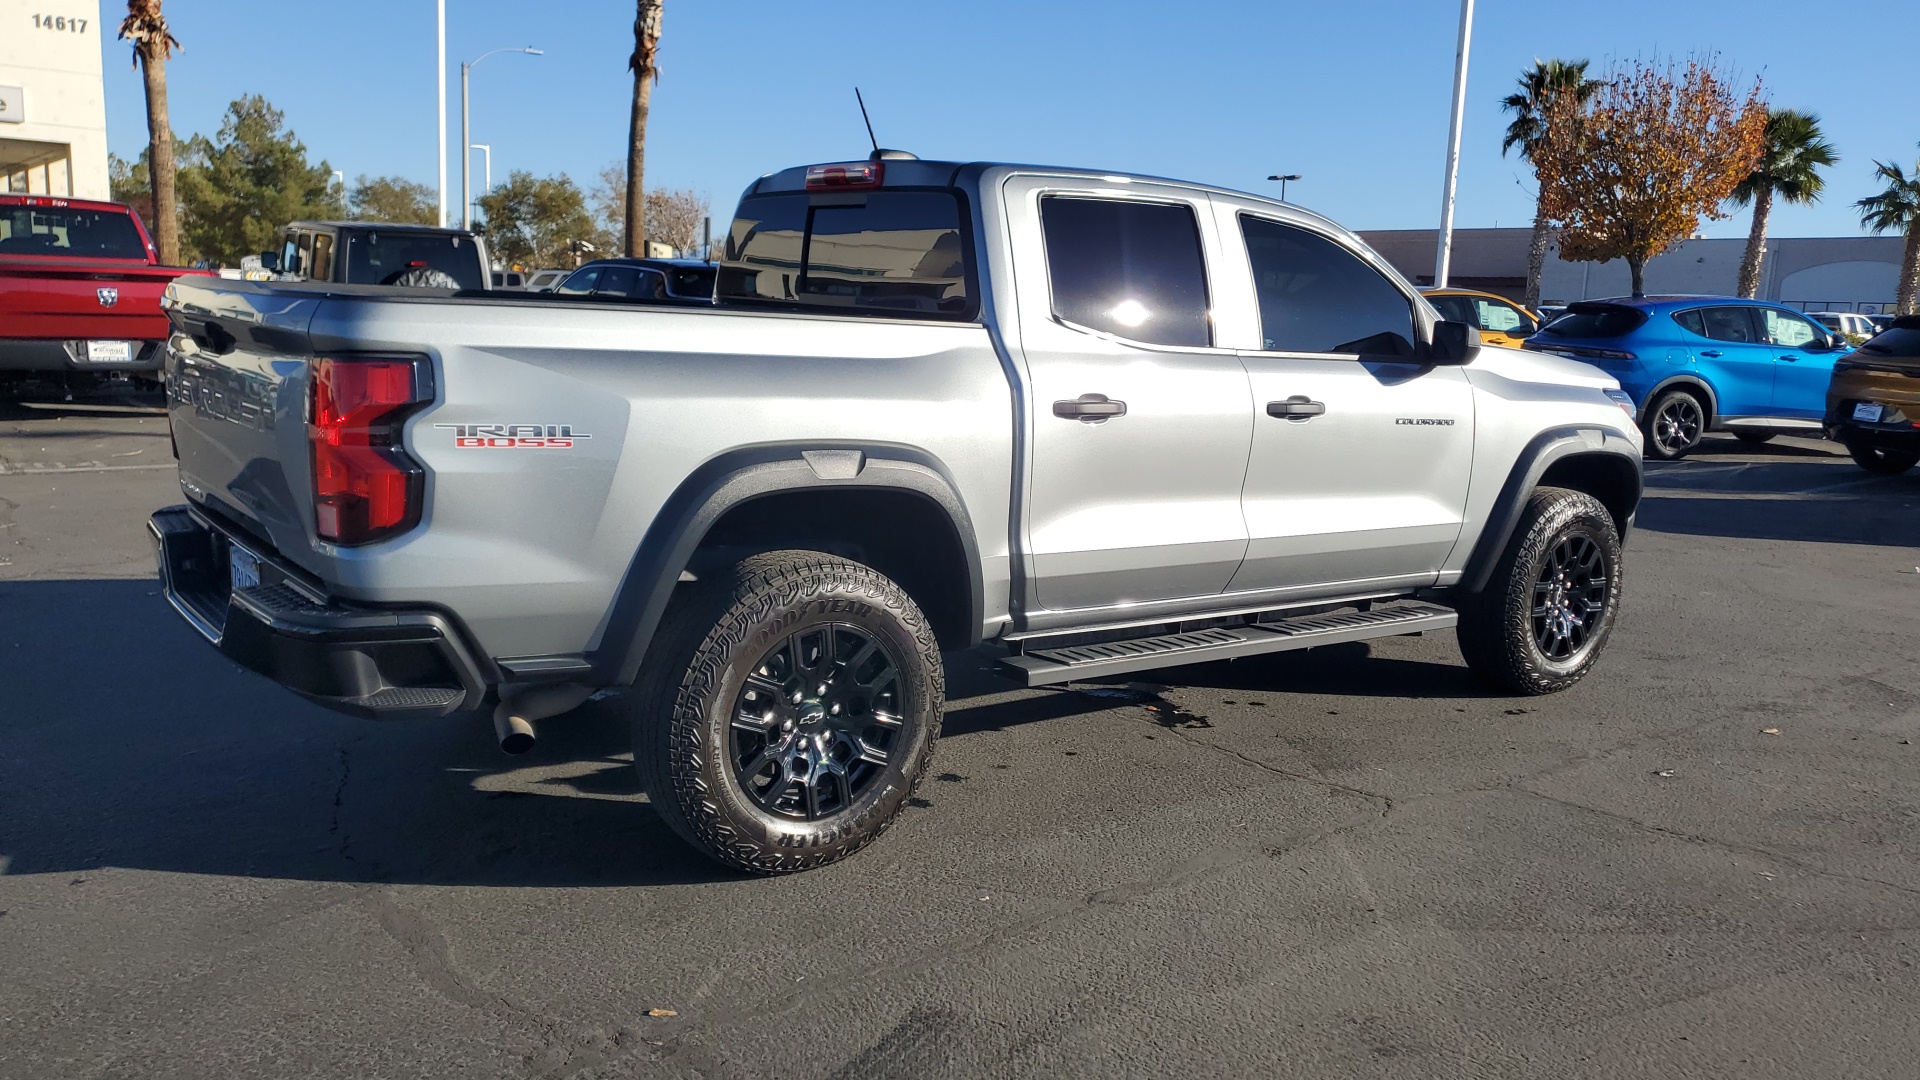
1790	165
646	72
1898	207
146	27
1540	86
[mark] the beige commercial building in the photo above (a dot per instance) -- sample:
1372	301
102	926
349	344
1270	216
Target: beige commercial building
53	107
1812	273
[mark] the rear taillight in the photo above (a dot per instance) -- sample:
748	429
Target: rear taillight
365	487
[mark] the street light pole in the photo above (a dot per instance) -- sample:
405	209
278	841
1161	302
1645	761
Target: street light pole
441	82
1445	254
486	182
1283	183
466	138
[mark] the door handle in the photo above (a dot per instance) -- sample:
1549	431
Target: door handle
1298	407
1090	408
1791	359
1710	352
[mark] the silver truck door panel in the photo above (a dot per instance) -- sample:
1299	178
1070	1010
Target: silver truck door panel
1367	483
1133	506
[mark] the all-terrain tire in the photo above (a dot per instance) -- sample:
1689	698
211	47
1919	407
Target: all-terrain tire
1878	460
1501	631
1674	423
691	688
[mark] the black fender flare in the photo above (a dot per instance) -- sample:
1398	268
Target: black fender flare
738	477
1693	382
1544	451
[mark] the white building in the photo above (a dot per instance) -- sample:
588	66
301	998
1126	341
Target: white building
53	107
1833	273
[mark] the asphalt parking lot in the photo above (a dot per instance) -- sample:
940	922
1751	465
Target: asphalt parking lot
1352	862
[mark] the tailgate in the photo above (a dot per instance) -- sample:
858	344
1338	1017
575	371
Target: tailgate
237	402
82	298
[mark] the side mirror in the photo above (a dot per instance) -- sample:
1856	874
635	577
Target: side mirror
1838	342
270	261
1453	343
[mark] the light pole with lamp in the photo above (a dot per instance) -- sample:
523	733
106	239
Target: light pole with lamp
1283	183
486	174
466	156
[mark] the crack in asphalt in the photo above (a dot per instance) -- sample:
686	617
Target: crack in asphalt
1730	846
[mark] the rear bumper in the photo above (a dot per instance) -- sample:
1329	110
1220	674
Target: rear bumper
44	355
1883	436
378	663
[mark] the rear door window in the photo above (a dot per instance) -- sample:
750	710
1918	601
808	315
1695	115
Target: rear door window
1131	269
900	252
1318	297
1729	324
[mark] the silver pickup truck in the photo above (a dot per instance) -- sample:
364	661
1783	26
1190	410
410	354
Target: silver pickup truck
1095	423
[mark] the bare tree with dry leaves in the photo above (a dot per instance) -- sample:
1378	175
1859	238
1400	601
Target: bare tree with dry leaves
644	63
146	27
1658	150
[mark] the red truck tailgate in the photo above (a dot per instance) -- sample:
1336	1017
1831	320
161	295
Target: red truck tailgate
50	297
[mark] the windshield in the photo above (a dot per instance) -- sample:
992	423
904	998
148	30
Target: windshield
42	230
380	257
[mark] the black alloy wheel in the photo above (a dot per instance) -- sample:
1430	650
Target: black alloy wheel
787	710
1674	425
1569	598
816	721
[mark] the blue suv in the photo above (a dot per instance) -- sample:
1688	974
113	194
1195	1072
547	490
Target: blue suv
1703	363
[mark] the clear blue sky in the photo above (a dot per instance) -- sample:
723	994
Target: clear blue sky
1353	94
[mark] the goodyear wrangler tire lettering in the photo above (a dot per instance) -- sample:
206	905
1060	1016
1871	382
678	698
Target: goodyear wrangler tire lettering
787	710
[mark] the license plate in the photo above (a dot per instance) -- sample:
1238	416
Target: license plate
1868	413
109	352
244	567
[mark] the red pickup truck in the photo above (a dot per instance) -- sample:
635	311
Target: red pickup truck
80	290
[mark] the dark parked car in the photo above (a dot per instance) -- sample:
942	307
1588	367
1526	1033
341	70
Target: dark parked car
1703	363
669	280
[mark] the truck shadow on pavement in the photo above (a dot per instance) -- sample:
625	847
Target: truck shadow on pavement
131	744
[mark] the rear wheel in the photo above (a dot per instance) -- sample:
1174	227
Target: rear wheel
788	711
1754	438
1545	615
1674	424
1880	460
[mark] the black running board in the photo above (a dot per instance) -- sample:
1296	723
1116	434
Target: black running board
1041	666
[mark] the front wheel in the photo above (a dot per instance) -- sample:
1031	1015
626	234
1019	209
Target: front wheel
788	711
1879	460
1674	424
1545	615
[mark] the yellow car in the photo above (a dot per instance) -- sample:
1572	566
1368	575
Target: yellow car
1501	321
1873	402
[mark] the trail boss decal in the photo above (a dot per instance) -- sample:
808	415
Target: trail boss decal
1423	421
513	436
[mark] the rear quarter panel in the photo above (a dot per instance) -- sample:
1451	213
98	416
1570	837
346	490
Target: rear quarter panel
528	545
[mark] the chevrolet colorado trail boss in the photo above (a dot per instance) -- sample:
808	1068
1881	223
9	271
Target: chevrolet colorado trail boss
1099	423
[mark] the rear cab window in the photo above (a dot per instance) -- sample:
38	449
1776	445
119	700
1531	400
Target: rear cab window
382	256
70	232
889	251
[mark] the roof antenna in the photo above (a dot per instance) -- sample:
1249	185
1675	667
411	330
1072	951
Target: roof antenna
868	119
878	153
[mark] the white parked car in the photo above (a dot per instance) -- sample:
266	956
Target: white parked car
1845	322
